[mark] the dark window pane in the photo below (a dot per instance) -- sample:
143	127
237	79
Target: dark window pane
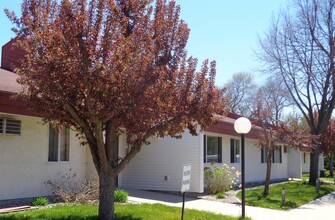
264	153
234	151
237	151
212	149
277	154
64	145
53	145
2	125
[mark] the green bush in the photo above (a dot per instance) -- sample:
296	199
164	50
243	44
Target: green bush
40	201
120	196
220	178
219	195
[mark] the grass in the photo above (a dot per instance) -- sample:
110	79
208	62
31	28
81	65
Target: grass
297	194
122	212
327	178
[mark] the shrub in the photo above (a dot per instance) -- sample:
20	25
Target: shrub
40	201
219	195
120	196
70	188
220	178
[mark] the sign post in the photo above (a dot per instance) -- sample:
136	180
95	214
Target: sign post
185	184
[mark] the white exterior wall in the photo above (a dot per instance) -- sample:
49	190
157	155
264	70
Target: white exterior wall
24	166
255	171
294	163
305	164
321	162
166	157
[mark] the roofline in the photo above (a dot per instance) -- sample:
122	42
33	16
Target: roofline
11	105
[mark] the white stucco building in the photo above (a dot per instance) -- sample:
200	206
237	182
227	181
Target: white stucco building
33	153
36	154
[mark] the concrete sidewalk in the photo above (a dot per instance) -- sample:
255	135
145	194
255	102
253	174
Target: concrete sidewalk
321	209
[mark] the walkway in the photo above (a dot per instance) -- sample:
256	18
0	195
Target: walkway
321	209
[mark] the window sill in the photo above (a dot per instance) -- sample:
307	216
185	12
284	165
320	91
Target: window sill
9	134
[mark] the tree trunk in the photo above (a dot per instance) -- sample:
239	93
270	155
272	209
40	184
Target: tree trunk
268	173
331	163
106	195
314	166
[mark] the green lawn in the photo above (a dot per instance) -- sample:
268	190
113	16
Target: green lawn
297	194
122	212
327	178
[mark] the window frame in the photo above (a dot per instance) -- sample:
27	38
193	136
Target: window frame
59	142
218	158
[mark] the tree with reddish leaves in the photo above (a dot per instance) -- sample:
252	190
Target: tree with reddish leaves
112	67
328	144
274	133
268	135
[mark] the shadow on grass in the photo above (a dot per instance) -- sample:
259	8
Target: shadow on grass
71	217
257	199
43	216
289	205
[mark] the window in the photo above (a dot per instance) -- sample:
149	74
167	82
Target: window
234	151
59	146
10	126
285	149
263	155
212	149
277	156
2	126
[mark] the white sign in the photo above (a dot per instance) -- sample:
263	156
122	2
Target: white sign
186	181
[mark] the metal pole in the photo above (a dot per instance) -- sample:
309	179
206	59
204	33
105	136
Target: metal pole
243	176
283	200
182	211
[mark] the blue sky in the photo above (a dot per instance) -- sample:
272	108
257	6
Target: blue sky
221	30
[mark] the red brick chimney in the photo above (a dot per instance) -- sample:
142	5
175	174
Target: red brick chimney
10	56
